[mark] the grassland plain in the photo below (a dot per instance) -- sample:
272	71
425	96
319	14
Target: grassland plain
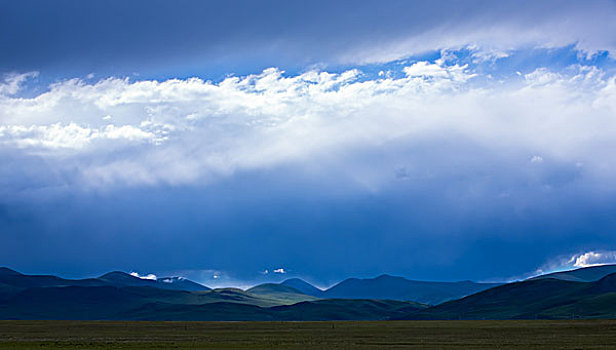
574	334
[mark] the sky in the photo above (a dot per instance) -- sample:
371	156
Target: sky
238	142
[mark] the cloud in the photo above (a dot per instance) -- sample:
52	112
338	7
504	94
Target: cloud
578	260
280	271
187	131
70	136
437	70
150	276
13	82
593	258
536	159
170	280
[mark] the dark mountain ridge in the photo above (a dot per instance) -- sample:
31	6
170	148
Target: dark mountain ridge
546	298
116	278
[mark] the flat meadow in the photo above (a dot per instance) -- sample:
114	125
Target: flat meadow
535	334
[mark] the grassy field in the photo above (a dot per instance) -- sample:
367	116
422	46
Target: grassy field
579	334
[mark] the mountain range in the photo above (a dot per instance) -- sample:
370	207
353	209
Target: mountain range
115	278
582	293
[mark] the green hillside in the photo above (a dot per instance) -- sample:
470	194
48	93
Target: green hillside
284	295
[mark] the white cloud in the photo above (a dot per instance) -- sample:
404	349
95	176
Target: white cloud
280	270
194	131
428	70
593	258
69	136
578	260
536	159
150	276
12	82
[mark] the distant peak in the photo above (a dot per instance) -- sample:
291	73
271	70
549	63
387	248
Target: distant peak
302	286
386	276
116	275
6	271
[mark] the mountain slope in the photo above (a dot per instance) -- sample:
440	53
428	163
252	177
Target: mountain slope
399	288
585	274
118	278
180	283
538	298
303	287
284	294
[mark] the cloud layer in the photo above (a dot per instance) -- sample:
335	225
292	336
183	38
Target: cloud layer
187	131
593	258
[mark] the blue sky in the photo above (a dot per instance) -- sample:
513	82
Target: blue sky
223	141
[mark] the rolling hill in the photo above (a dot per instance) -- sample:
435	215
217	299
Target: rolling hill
283	293
399	288
112	302
546	298
322	310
